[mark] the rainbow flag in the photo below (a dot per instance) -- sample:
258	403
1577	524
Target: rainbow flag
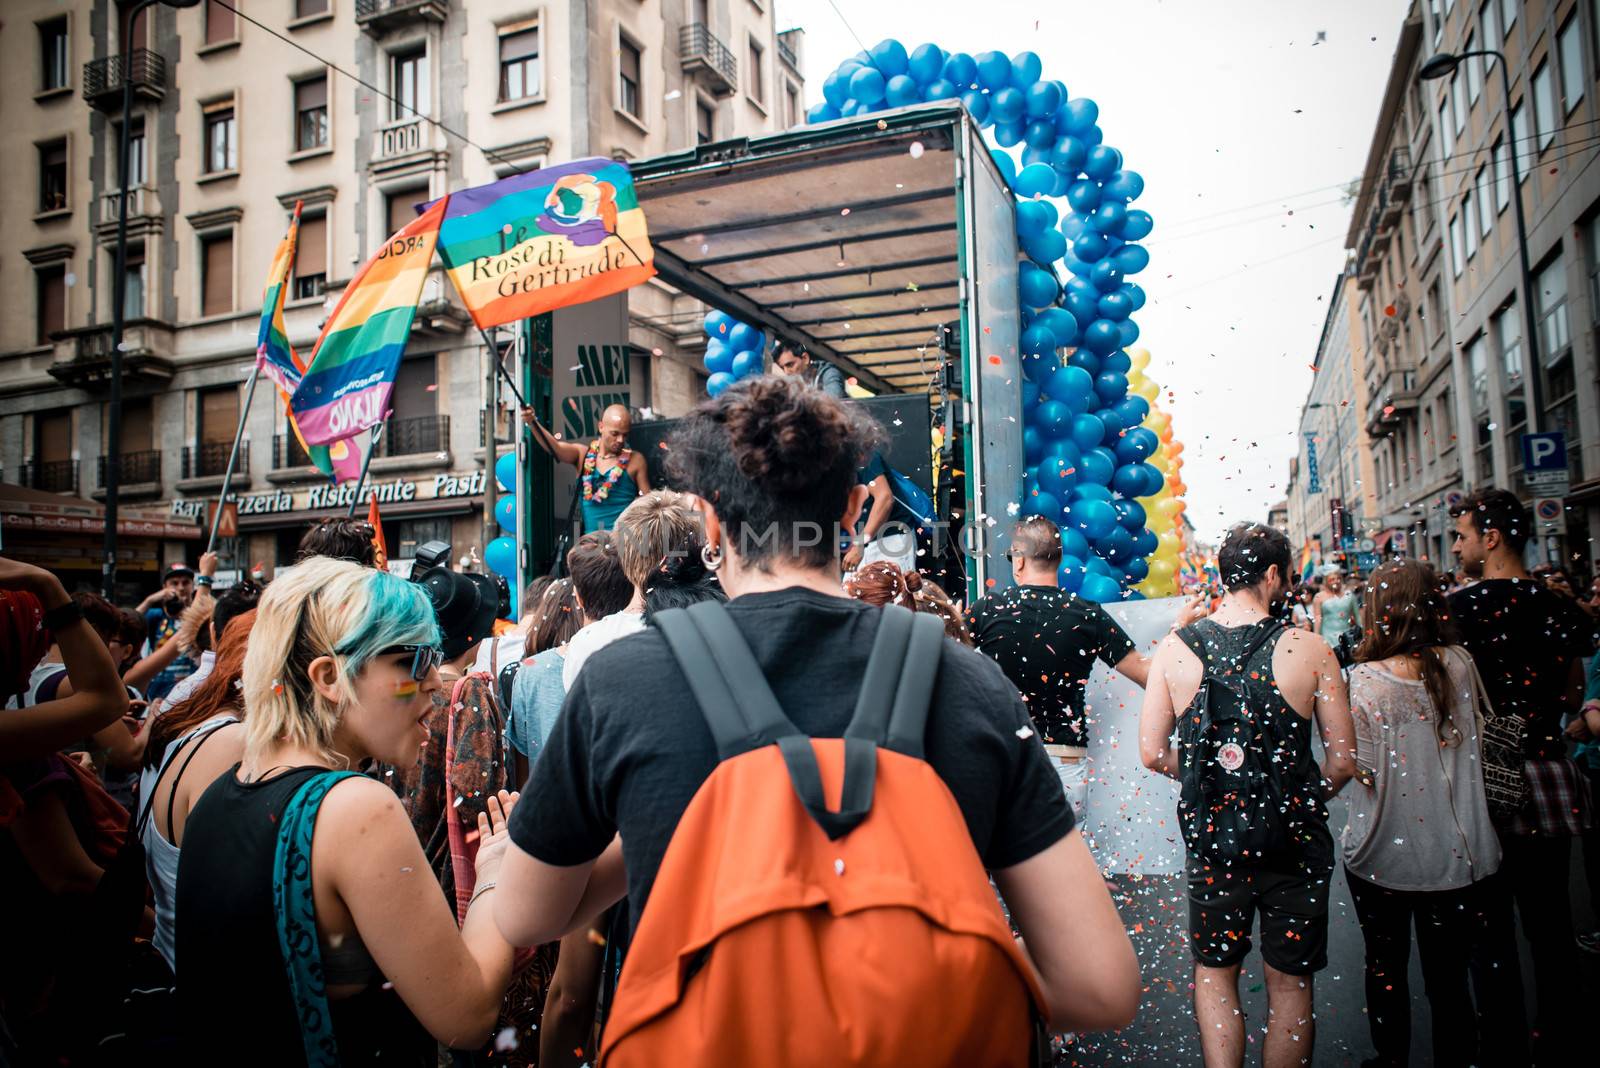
273	353
546	239
346	389
1307	563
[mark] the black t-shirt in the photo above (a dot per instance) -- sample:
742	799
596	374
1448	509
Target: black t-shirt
1523	637
1046	641
872	469
630	748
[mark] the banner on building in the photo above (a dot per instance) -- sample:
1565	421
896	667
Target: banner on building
1313	477
538	241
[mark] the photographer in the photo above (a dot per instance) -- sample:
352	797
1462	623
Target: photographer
163	612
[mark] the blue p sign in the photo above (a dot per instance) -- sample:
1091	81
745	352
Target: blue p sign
1544	452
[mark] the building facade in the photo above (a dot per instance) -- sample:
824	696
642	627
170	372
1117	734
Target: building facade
231	127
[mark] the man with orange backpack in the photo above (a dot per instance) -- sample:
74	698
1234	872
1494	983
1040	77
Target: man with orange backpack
802	796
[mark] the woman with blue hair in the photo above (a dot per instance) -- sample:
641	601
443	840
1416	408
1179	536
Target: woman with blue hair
305	905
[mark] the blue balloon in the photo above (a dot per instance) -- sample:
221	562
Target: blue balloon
1111	386
1036	179
1133	409
1135	294
1040	136
867	86
822	113
501	556
1131	259
1090	136
1127	332
1115	305
1030	394
1036	366
1083	306
1060	322
890	57
1053	418
1025	70
994	71
1153	480
1136	571
1117	546
1082	357
1125	185
1082	114
1111	421
902	90
1031	215
744	337
1047	246
1032	154
1145	541
1091	491
1032	444
718	358
1105	277
718	382
1086	433
1008	134
1130	514
1037	287
1109	216
1043	99
1137	224
961	70
1103	162
1084	195
1100	337
1007	105
926	63
1041	503
1093	519
1138	444
1075	224
1071	573
941	89
505	472
1069	155
836	88
1129	481
747	363
1071	386
1006	165
1094	467
505	512
1096	565
978	104
1057	475
1038	340
1091	247
718	323
1074	544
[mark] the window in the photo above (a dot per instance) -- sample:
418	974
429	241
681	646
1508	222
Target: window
1550	306
519	64
1520	142
1422	205
54	72
139	31
50	302
220	24
1508	14
311	258
1569	46
137	430
133	283
219	415
1544	106
1446	130
408	84
1502	175
1478	374
1458	258
311	113
52	436
1458	103
791	104
758	73
1592	232
628	67
1469	228
415	395
705	120
411	533
1485	203
53	176
1435	309
1489	23
1437	18
702	13
304	9
1430	437
401	207
1474	72
137	168
216	274
222	149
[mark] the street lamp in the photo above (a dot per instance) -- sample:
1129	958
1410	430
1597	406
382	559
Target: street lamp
119	297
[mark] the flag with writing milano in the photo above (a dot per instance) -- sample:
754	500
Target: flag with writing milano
347	387
546	239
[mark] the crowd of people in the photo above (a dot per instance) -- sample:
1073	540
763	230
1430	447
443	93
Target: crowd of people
717	794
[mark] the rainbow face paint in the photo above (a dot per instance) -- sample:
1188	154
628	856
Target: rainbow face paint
406	689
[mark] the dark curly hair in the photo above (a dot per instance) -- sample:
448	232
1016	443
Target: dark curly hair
340	538
776	461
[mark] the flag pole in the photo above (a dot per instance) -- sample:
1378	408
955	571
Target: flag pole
494	354
233	454
366	461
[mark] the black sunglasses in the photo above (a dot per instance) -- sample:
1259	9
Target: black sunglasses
424	658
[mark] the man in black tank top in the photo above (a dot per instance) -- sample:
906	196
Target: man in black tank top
1279	679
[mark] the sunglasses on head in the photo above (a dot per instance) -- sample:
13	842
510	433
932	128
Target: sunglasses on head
424	658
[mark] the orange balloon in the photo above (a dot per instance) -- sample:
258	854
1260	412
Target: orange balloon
1166	435
1175	449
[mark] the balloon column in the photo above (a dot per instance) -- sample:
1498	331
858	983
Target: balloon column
733	351
501	554
1088	442
1166	507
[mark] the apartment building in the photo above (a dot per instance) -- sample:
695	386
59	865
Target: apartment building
231	127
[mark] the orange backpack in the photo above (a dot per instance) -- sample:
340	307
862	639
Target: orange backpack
821	902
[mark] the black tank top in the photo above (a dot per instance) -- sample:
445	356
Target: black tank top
1288	735
232	988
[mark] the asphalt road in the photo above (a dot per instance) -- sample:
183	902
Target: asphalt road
1155	910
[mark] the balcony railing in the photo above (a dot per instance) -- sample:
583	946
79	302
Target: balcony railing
142	70
1393	190
786	53
286	452
398	139
142	202
133	467
700	50
211	458
52	476
379	16
409	437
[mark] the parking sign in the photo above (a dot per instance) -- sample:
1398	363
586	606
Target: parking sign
1544	463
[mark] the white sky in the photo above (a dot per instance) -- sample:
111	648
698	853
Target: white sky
1237	113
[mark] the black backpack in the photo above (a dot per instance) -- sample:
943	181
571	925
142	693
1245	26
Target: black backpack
1231	804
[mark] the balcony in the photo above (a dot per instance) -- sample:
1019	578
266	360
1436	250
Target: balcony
411	437
82	357
209	459
701	52
287	453
143	202
402	141
1395	398
133	468
786	50
141	70
1400	173
378	17
51	476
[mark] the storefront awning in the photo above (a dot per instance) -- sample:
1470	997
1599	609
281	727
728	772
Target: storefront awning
24	509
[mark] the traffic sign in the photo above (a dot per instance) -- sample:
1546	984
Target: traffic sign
1545	452
229	527
1550	513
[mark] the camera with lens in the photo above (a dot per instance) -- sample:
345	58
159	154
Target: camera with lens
465	605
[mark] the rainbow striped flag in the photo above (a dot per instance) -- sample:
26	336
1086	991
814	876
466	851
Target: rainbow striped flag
546	239
346	389
1307	562
273	352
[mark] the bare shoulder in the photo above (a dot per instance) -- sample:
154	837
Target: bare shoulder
1305	644
359	807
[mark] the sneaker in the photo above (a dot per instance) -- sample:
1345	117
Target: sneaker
1590	942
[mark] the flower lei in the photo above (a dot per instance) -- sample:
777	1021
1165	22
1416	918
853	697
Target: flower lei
596	494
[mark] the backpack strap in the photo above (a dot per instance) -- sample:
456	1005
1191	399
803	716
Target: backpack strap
296	911
738	705
892	707
1191	637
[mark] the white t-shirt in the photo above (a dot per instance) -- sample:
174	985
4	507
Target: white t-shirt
597	636
510	651
189	683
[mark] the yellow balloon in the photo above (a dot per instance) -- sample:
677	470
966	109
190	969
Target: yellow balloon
1162	570
1170	507
1140	358
1159	462
1168	542
1147	389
